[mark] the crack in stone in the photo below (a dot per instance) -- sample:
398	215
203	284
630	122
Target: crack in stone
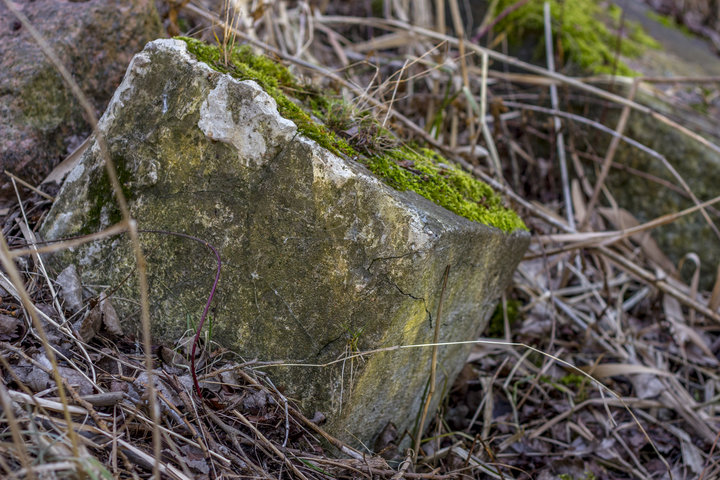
387	279
395	257
422	299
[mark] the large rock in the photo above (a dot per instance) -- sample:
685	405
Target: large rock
39	117
321	258
635	185
648	196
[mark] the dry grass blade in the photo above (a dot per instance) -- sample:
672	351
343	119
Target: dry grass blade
118	228
621	369
560	139
47	404
714	303
22	182
491	149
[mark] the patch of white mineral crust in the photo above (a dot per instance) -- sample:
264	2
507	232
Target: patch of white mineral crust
75	173
416	233
57	228
91	255
137	68
328	167
180	48
259	126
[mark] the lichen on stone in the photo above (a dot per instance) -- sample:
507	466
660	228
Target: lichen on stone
402	167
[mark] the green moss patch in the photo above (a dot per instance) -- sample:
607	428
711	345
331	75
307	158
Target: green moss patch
496	326
424	172
101	189
669	22
347	134
582	27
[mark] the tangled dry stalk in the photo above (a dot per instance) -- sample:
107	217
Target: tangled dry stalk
602	362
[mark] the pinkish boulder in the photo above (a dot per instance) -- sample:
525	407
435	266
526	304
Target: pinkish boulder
39	118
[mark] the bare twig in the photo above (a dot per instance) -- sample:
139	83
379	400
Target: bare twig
559	137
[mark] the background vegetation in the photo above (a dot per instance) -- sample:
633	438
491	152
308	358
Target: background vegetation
602	362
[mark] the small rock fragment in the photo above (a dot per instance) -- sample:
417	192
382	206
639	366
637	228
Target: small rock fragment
70	289
110	318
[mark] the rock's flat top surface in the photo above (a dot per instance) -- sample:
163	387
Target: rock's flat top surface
321	258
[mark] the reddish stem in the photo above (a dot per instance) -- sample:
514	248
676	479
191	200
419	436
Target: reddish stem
207	305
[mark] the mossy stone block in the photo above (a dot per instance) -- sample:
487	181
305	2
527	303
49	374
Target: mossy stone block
321	258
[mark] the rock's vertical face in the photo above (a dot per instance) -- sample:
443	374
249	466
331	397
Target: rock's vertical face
39	118
321	259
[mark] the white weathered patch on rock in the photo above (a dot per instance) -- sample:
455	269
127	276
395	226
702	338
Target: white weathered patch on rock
248	121
139	66
417	238
136	68
178	48
75	173
56	228
328	167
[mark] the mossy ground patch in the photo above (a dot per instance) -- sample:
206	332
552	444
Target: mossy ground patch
587	33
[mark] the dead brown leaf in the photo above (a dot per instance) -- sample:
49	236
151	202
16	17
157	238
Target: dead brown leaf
11	328
622	219
90	324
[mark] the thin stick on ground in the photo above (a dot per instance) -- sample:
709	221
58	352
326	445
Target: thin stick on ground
26	184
